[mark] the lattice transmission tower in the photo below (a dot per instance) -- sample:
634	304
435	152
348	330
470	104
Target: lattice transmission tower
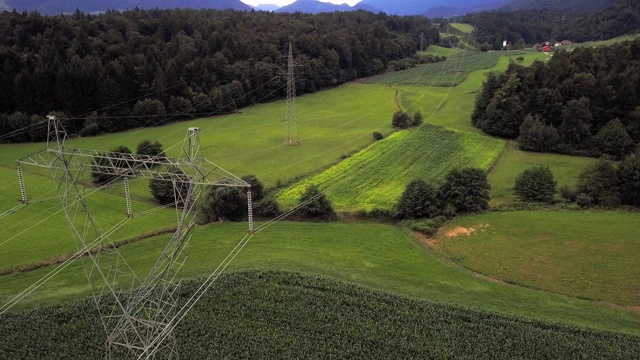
293	128
137	313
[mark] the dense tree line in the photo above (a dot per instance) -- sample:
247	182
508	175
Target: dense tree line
531	26
181	62
585	102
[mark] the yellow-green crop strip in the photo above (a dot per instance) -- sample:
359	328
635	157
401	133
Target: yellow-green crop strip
376	177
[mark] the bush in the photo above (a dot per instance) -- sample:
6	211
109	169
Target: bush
377	136
165	192
314	204
600	183
417	119
568	193
536	184
419	200
224	203
267	208
467	190
401	120
428	227
146	147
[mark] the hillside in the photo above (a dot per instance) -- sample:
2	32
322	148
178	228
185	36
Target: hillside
285	315
315	7
620	19
54	7
566	6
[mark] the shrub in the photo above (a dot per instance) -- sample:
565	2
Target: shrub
268	207
419	200
467	190
165	192
377	136
536	184
146	147
315	204
401	120
224	203
568	193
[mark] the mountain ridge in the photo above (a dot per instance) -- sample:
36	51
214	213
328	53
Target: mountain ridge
54	7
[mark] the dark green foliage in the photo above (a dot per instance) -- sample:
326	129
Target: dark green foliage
257	188
146	147
573	95
266	208
150	112
536	184
169	192
576	121
613	140
224	204
536	136
314	204
279	315
377	136
428	227
567	193
106	164
417	119
599	185
467	190
620	19
401	120
181	61
629	179
419	200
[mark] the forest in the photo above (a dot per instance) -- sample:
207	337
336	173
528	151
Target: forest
531	26
584	102
87	68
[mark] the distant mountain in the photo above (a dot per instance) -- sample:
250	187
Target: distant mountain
434	7
315	7
267	7
53	7
569	6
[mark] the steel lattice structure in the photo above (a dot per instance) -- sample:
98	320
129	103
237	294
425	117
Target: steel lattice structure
293	131
138	314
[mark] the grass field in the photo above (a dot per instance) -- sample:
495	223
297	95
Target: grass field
451	72
440	51
380	256
588	254
274	314
377	176
512	162
465	28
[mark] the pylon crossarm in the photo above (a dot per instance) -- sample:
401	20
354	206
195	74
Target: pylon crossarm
133	165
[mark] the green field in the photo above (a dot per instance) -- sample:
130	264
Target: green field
376	176
512	162
440	51
451	72
274	314
380	256
588	254
465	28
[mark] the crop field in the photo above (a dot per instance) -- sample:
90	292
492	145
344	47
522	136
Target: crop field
451	72
276	314
376	176
588	254
379	256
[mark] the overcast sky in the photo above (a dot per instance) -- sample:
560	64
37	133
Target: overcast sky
287	2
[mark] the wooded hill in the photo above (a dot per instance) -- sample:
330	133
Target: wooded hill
182	61
582	102
533	26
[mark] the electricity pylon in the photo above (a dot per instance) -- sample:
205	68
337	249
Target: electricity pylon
136	311
293	130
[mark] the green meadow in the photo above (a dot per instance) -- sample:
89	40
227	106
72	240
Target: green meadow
586	254
375	255
465	28
334	125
